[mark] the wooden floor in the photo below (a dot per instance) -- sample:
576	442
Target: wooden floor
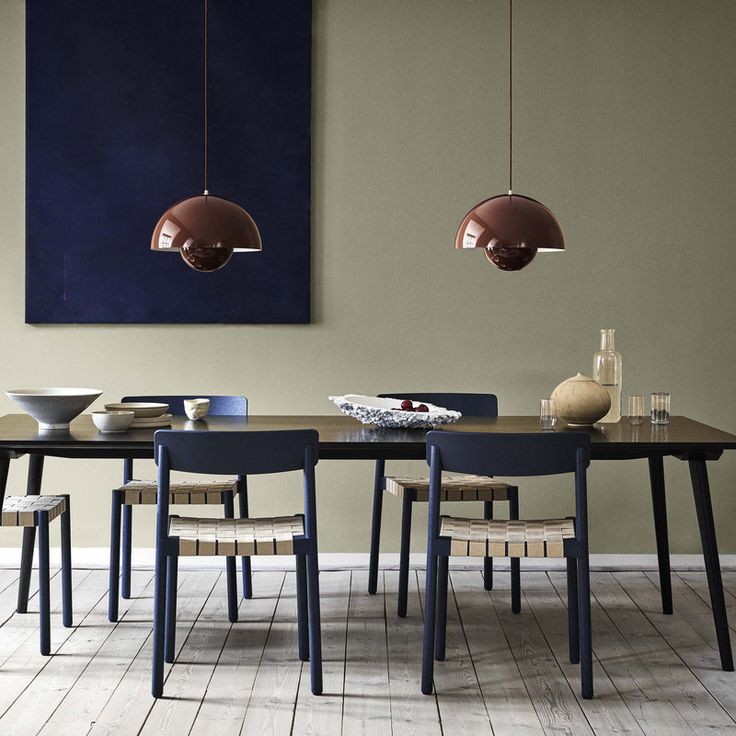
504	674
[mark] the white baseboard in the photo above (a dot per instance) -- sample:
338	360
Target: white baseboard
97	558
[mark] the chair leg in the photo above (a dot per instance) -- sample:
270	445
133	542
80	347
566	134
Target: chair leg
573	607
66	565
230	571
127	549
159	623
114	581
430	611
440	635
376	527
406	506
245	561
315	632
172	583
42	520
488	561
586	644
302	615
515	561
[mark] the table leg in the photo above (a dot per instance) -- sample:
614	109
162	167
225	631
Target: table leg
33	488
704	509
659	507
4	468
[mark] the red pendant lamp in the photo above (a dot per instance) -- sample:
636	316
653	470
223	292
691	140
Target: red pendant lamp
206	230
511	228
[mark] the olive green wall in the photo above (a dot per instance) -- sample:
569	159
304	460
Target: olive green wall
625	126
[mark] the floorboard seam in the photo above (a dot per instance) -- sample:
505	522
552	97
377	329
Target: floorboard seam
265	644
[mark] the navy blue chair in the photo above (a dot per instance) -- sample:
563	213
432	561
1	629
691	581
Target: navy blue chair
143	492
510	455
242	454
411	490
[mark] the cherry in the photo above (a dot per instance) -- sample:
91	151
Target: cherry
407	405
422	407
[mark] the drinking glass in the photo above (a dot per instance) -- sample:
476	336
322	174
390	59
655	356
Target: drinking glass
635	408
547	414
660	413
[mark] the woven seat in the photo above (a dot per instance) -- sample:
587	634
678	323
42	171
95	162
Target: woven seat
20	510
241	537
143	492
480	538
458	488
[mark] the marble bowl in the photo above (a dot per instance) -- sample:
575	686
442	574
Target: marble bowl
387	413
112	421
54	408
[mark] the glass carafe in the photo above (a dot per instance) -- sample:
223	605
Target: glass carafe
607	371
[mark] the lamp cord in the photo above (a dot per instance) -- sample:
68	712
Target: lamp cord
206	132
511	97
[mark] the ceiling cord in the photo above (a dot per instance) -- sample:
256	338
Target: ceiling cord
206	135
511	97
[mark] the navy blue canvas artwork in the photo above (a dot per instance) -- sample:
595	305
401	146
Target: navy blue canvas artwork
114	135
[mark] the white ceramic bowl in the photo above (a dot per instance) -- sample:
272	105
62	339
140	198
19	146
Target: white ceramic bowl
112	421
139	408
54	408
196	408
387	413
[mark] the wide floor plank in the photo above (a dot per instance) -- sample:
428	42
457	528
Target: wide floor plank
270	708
607	712
507	700
557	706
318	715
226	700
367	699
412	714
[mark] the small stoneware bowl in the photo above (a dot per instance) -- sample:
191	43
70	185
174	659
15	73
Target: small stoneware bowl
196	408
112	421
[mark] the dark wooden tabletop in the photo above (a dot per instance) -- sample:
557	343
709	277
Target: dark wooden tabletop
342	437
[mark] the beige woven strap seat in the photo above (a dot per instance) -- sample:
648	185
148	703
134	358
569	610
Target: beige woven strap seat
241	537
481	538
19	510
454	488
143	492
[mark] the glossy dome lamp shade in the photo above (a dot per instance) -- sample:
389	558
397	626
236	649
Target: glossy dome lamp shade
206	231
511	229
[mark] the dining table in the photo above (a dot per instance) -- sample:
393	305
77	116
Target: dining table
344	438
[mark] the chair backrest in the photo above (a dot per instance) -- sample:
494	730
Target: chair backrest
521	454
238	452
471	405
220	406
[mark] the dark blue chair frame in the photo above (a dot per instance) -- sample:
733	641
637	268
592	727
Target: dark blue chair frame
41	522
242	454
509	455
477	405
219	406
